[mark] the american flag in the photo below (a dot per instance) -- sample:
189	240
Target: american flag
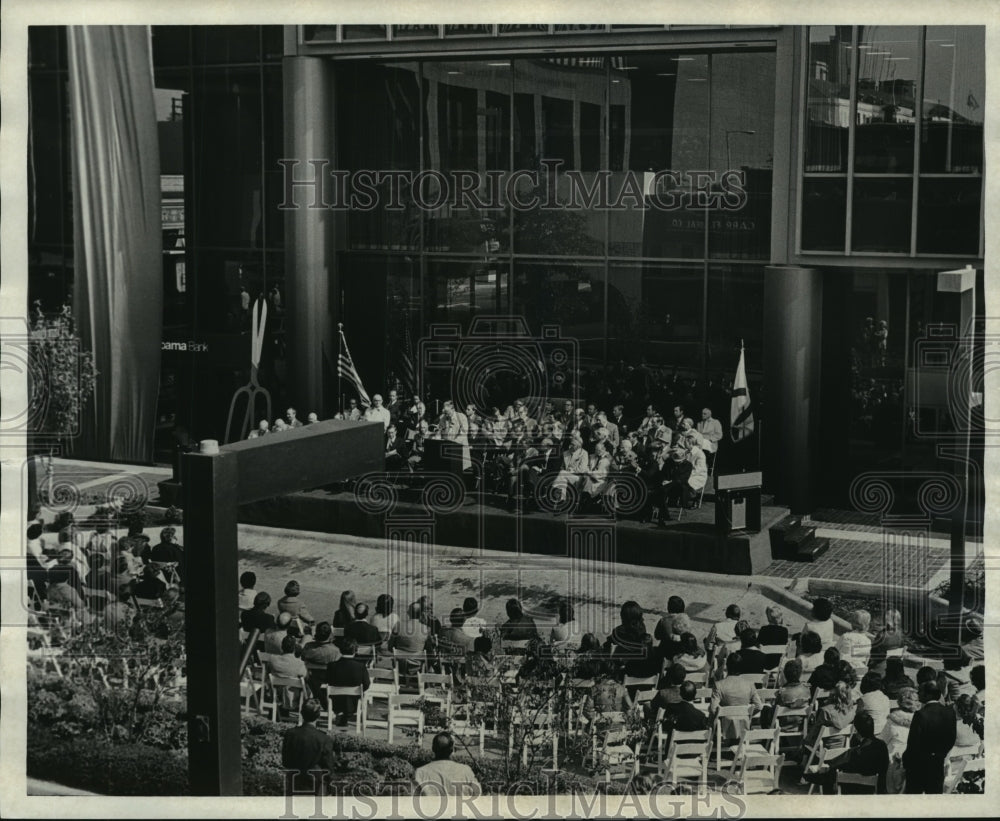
408	373
346	370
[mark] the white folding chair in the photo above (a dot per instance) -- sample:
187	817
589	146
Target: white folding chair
404	713
636	683
738	718
857	780
332	691
758	773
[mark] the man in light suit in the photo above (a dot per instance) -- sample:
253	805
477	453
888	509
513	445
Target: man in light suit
576	463
699	467
710	429
614	435
454	426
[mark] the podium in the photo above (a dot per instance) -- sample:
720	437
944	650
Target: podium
737	502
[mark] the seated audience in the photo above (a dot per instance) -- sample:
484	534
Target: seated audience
347	671
150	585
474	624
291	603
518	627
248	581
810	652
275	636
413	638
754	661
287	663
385	620
316	655
442	776
773	634
567	630
723	632
257	617
453	641
691	657
828	673
874	701
793	694
479	661
969	729
821	622
669	694
664	629
895	678
837	713
869	756
360	630
856	645
345	612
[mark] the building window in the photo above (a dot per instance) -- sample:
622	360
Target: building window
888	111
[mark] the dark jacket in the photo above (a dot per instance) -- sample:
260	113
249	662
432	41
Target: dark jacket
251	620
684	716
363	632
754	661
305	748
932	735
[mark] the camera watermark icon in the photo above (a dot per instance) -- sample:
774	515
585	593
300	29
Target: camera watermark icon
498	348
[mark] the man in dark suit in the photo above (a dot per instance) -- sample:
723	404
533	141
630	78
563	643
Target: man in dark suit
932	735
305	748
754	661
360	630
683	715
346	671
541	461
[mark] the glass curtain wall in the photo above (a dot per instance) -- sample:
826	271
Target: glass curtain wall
623	197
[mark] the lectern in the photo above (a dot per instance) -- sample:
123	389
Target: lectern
737	502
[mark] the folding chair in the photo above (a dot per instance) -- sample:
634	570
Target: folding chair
698	677
858	780
954	778
406	677
757	773
824	742
535	731
793	734
44	652
735	718
615	757
633	684
367	653
378	691
755	742
437	687
282	689
332	691
404	713
688	760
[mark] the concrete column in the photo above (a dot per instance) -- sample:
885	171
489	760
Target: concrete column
310	230
793	315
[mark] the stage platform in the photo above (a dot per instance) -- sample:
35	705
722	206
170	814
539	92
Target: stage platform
483	522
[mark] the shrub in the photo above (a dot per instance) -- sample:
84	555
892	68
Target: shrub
394	768
173	516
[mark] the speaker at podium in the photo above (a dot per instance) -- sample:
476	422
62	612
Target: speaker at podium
737	502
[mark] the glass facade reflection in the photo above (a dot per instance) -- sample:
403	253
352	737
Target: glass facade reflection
888	111
610	166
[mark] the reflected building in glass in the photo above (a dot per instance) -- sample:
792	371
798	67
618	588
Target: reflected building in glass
818	178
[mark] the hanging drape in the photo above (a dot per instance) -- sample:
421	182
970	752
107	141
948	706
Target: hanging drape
117	236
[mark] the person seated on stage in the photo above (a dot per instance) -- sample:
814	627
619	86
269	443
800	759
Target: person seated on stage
699	466
519	626
661	432
614	435
648	425
279	426
575	465
676	476
360	630
690	433
353	413
515	449
257	617
393	450
263	429
544	460
579	427
312	419
248	581
291	603
415	454
595	481
710	430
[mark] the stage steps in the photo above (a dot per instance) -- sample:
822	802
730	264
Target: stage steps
792	540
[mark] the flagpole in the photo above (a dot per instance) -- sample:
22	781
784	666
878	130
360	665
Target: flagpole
340	378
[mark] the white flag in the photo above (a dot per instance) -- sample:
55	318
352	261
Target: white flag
741	409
